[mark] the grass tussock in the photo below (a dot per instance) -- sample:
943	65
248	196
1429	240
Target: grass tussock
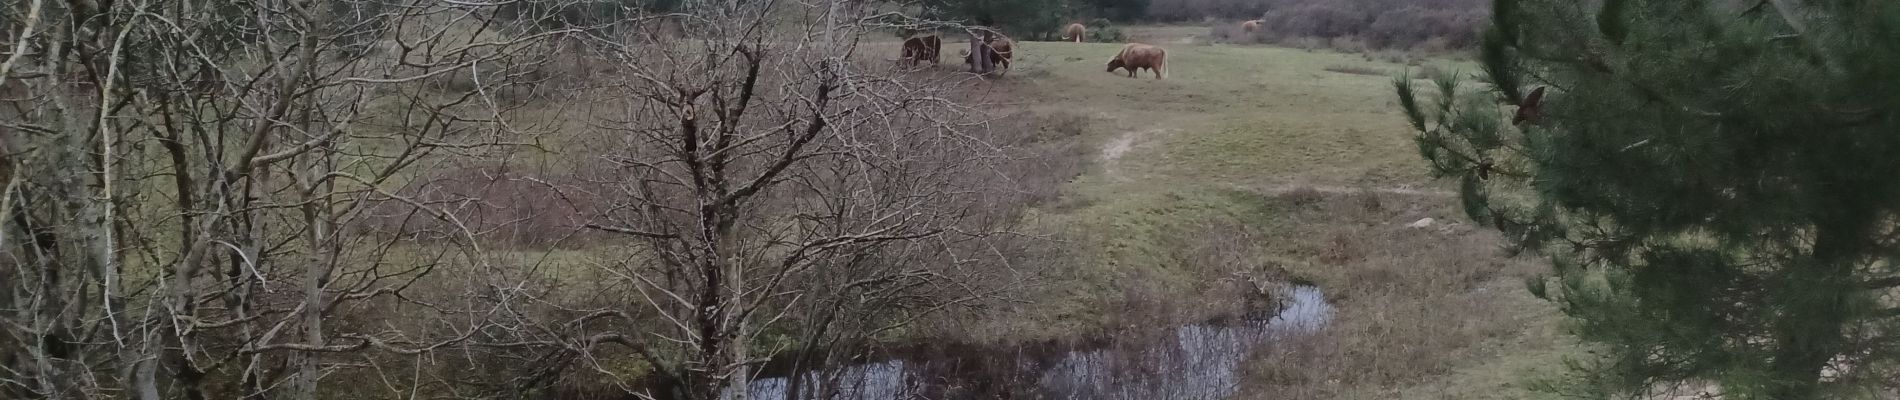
1420	309
1355	70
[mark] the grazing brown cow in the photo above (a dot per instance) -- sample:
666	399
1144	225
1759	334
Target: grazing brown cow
1075	32
1000	51
1136	56
928	47
1250	26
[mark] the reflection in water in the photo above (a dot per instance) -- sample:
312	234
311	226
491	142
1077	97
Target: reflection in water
1201	363
883	380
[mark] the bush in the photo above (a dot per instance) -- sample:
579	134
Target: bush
505	208
1125	10
1412	26
1315	20
1380	24
1195	10
1227	33
1100	31
1023	19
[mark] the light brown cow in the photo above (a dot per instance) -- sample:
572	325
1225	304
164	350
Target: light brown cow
1136	56
1001	50
1250	26
1075	32
920	48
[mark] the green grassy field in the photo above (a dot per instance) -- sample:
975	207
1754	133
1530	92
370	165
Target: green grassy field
1303	155
1238	115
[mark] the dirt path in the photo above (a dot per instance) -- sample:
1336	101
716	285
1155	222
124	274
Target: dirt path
1112	151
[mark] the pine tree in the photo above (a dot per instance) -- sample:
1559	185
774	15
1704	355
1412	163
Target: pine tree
1713	180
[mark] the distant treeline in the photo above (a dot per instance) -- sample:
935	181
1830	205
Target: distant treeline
1376	23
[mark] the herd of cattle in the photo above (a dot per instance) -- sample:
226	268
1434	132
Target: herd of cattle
1133	56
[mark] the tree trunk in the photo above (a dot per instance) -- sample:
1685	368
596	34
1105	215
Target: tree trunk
980	54
742	373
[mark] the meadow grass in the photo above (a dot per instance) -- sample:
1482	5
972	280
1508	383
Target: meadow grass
1238	115
1220	149
1196	180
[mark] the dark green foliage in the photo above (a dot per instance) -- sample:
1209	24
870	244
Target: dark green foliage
1408	100
1610	20
1714	185
1102	31
1495	54
1121	10
1024	19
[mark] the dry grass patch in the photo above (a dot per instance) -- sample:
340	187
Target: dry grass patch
1356	70
1416	307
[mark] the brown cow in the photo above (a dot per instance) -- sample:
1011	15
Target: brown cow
1001	48
1075	32
928	47
1250	26
1136	56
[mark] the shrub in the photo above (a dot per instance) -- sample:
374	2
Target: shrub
1355	70
1410	26
1399	24
1193	10
1326	20
1101	31
493	203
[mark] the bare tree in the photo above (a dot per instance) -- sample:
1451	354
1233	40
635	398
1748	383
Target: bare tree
184	179
256	199
778	187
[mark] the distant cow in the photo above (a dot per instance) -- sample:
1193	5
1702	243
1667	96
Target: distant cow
1136	56
1000	51
928	47
1250	26
1075	32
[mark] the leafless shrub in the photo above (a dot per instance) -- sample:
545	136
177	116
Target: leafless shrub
498	205
1315	19
1348	44
203	169
1381	24
778	190
1413	25
1196	10
1231	32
